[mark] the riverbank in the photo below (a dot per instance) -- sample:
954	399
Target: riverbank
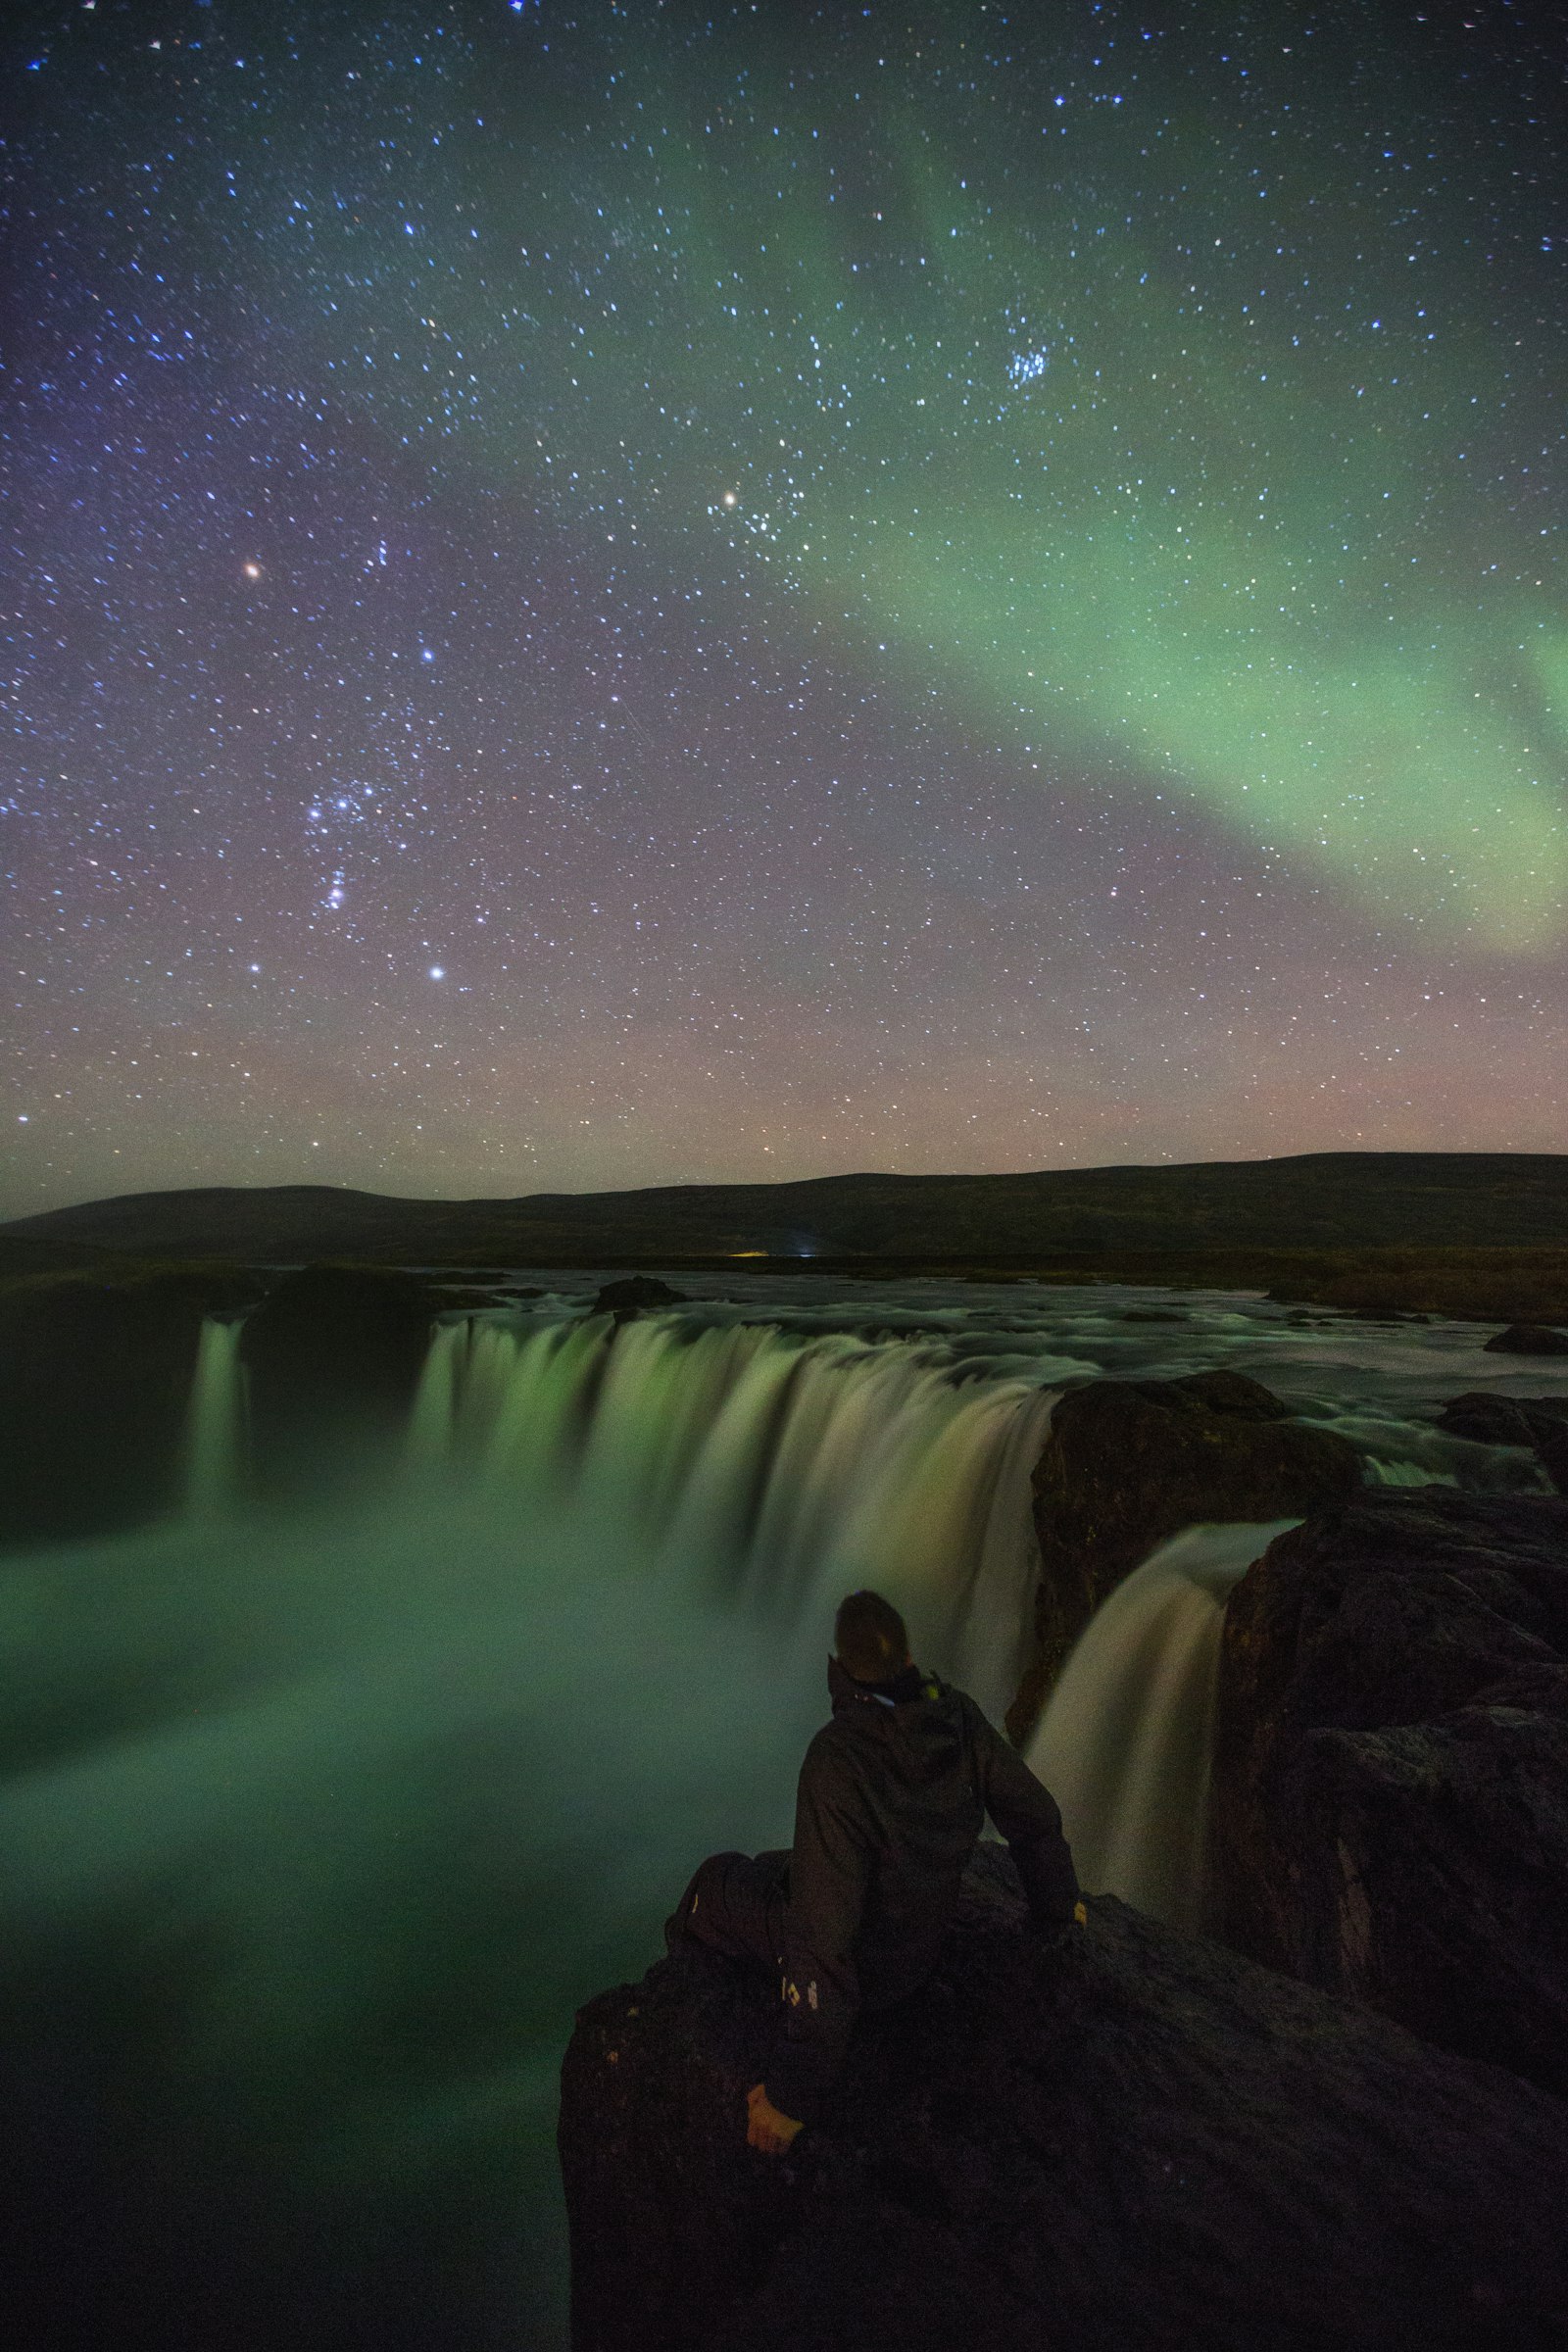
1501	1285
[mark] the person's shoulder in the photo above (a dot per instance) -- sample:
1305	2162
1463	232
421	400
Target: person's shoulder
978	1730
843	1736
831	1740
955	1702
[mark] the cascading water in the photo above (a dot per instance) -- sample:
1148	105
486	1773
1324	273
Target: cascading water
1125	1740
762	1468
215	1428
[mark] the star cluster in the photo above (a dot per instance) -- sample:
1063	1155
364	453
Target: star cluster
615	594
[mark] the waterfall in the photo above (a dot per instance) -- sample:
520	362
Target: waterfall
759	1467
1125	1742
216	1423
1378	1472
771	1473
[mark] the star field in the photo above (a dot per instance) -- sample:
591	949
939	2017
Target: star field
601	595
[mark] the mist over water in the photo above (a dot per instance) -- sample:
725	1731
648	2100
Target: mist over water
316	1826
345	1816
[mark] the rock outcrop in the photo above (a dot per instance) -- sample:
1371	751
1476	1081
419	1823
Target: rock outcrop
1539	1422
334	1356
1144	2144
1128	1463
1528	1339
1390	1804
634	1295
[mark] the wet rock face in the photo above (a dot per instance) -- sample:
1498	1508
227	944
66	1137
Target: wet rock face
1128	1463
334	1356
1539	1422
94	1385
1529	1338
1390	1809
1143	2145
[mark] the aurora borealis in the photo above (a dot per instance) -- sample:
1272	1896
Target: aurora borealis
617	594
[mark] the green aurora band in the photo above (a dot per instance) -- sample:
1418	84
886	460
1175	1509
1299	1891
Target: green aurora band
1161	436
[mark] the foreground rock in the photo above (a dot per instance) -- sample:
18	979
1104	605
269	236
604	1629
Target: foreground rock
1147	2147
1528	1339
334	1356
1389	1815
1540	1422
1128	1463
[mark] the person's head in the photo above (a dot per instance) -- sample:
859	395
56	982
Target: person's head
870	1639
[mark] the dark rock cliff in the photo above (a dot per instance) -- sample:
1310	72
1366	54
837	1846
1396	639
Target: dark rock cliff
95	1375
334	1356
1128	1463
1390	1808
1145	2145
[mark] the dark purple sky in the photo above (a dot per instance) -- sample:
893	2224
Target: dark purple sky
605	595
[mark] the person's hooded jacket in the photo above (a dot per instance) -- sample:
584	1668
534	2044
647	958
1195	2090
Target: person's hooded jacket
892	1797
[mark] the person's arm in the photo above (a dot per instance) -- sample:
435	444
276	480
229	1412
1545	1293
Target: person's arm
1028	1817
830	1870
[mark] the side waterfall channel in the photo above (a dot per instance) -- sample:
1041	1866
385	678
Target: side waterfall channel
216	1424
1125	1740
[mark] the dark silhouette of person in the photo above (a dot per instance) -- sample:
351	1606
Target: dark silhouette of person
892	1796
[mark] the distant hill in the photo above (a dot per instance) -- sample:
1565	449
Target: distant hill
1321	1200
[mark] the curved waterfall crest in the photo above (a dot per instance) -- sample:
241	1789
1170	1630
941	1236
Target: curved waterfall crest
772	1468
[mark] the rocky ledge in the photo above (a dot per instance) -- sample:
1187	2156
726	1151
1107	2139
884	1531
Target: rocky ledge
1390	1814
1128	1463
1144	2144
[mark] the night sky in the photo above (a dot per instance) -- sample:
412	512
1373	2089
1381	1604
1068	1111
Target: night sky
601	595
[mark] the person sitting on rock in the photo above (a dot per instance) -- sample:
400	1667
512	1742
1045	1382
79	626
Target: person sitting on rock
892	1796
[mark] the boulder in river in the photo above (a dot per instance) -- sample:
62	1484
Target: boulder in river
1128	1463
1528	1339
1389	1801
635	1294
1144	2144
334	1354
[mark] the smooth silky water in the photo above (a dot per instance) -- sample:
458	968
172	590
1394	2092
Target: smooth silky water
317	1826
